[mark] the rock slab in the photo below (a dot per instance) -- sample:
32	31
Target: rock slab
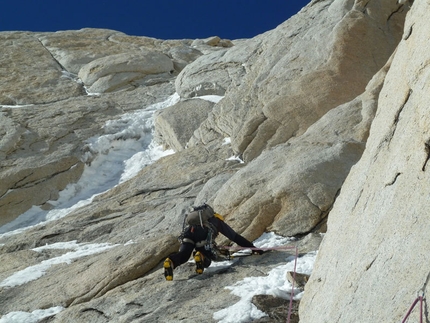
273	155
378	228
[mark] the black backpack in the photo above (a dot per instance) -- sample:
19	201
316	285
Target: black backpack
199	217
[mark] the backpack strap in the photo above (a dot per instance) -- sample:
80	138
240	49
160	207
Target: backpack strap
200	217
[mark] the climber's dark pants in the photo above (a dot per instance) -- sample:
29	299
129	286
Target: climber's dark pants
186	248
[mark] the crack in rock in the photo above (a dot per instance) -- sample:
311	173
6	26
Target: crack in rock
39	180
94	310
427	150
394	179
390	136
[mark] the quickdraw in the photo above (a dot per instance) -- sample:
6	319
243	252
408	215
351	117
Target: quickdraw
419	299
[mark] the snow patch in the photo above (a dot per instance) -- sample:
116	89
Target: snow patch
16	106
275	284
210	98
236	158
118	155
33	317
36	271
226	141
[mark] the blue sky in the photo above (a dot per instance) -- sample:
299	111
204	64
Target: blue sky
164	19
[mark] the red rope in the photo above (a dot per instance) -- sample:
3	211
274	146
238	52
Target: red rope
290	308
419	299
249	248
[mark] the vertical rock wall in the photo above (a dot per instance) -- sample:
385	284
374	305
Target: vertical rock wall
374	259
299	76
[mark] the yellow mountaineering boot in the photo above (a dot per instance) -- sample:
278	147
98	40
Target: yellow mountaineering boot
168	269
198	258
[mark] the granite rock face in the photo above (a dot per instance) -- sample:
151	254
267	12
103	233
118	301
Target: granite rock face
115	72
283	117
175	125
43	147
23	84
299	71
386	197
296	114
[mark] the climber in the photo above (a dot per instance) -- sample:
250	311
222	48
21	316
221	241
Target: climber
201	226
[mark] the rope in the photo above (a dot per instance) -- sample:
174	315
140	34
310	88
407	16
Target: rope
290	308
252	248
418	299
